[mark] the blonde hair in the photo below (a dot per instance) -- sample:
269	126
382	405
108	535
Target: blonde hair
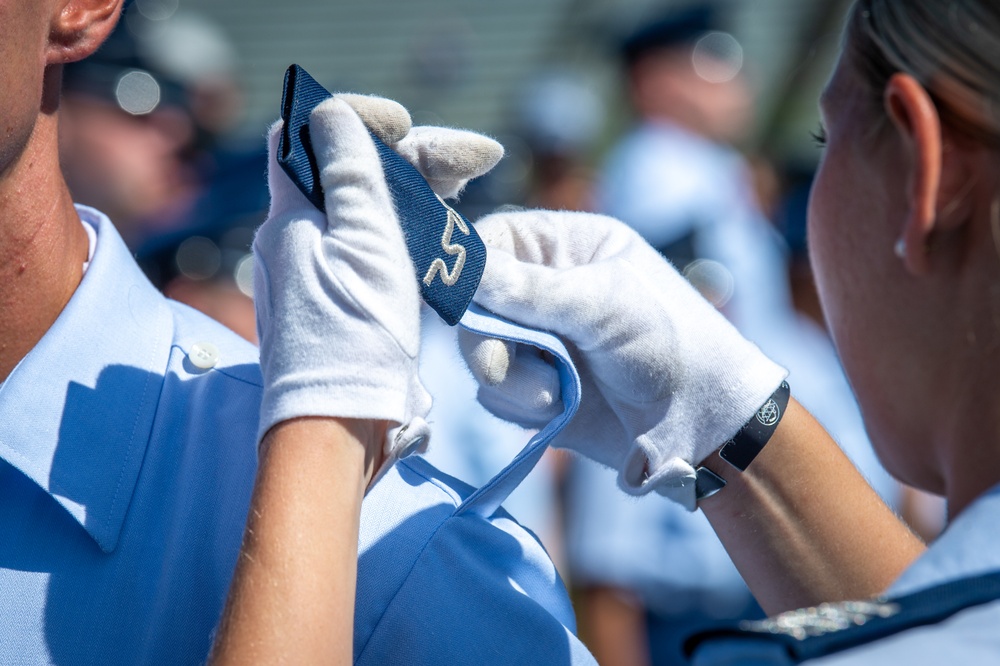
952	47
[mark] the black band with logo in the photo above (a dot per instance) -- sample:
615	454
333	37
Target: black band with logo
745	444
751	438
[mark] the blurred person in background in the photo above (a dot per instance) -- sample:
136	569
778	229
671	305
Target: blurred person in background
560	116
675	177
648	572
124	139
145	136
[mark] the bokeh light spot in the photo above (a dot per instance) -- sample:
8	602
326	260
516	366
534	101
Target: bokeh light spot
198	258
244	275
713	280
717	57
157	10
137	92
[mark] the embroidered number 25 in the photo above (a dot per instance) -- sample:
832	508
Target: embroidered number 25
453	249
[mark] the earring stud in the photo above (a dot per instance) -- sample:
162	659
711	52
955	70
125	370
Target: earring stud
899	249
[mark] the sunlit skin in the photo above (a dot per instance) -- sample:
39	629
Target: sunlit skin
292	596
855	218
917	334
42	243
917	337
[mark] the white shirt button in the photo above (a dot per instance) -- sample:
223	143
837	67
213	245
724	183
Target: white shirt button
204	355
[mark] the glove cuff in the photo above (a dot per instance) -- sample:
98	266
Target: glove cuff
645	469
333	401
412	437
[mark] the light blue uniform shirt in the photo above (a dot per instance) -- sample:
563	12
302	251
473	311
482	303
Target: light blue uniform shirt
125	475
969	546
445	575
473	445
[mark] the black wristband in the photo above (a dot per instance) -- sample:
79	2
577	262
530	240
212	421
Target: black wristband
741	450
751	438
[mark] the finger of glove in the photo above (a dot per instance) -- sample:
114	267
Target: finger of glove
516	383
449	158
363	241
387	119
562	301
514	375
529	394
489	359
285	196
287	206
560	239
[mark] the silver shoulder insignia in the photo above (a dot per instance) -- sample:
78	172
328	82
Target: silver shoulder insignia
822	619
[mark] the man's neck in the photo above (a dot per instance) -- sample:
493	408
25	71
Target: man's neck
42	245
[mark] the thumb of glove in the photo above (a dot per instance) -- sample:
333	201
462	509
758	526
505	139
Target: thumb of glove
515	382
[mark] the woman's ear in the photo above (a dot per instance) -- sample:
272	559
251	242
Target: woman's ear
79	27
918	126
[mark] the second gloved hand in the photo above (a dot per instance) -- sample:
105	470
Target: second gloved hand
666	378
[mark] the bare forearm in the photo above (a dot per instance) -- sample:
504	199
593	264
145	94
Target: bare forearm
292	597
803	526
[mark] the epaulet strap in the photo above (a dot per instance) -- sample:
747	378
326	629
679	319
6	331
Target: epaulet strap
809	633
447	253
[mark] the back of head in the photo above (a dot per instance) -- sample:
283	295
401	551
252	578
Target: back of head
952	47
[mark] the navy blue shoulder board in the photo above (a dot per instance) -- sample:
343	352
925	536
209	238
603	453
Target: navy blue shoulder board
448	254
810	633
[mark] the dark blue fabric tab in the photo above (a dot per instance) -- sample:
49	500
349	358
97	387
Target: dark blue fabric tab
811	633
299	96
447	253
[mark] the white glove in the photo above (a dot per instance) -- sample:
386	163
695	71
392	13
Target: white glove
338	310
666	378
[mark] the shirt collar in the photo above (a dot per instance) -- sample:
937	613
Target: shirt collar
967	547
77	412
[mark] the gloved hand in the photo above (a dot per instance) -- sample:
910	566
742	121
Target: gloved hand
666	379
336	295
